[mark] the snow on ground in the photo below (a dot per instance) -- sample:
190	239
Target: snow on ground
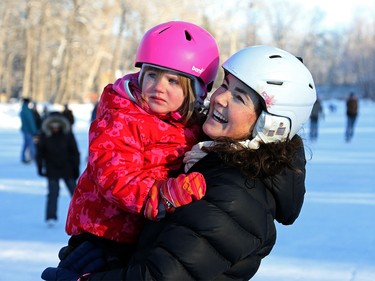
332	240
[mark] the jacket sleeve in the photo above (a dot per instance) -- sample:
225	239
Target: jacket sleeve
116	162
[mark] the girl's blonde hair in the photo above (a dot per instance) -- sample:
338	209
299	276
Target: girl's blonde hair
187	108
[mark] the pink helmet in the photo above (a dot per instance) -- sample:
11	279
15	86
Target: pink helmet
184	47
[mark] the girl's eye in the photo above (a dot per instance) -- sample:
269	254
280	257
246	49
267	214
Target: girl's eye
173	81
151	74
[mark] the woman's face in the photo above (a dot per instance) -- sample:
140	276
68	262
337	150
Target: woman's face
233	110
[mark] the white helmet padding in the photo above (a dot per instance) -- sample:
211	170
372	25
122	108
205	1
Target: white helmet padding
271	128
284	84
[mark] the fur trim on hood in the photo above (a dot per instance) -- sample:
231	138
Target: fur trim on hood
55	117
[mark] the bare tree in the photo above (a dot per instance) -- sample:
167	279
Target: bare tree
62	51
30	42
359	59
282	18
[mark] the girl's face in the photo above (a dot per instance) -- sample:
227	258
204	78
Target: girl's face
162	91
233	110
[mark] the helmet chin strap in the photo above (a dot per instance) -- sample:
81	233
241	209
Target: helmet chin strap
199	91
269	128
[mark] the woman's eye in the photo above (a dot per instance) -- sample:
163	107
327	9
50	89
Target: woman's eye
240	98
224	86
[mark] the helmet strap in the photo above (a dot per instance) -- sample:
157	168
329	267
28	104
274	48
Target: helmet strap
199	91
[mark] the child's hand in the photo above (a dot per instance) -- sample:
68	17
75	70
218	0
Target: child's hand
183	190
172	193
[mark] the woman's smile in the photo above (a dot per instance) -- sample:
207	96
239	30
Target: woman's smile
219	117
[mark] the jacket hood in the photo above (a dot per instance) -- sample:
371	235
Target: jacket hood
55	118
128	87
289	190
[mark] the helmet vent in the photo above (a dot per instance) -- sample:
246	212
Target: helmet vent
161	31
278	83
311	86
275	57
187	35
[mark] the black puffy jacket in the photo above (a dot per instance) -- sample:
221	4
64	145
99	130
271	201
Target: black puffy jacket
57	153
225	235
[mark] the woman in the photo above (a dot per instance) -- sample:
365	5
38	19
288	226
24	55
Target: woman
254	171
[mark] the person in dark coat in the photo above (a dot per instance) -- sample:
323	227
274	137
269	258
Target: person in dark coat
58	158
68	113
254	167
37	117
316	114
351	114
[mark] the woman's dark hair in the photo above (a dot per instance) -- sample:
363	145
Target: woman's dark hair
268	160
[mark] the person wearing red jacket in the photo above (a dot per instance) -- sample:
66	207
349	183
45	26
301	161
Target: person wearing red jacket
145	123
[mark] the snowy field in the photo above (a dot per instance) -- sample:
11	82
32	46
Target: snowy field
333	239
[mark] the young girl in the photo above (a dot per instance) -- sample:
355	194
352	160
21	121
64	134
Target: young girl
145	123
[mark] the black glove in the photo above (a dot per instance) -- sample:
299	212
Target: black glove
41	171
65	251
85	258
59	274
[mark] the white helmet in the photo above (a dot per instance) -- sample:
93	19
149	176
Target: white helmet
284	84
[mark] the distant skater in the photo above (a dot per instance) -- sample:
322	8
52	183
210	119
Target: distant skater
316	114
68	113
29	131
351	114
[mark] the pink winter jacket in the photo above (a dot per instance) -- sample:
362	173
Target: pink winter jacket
129	149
